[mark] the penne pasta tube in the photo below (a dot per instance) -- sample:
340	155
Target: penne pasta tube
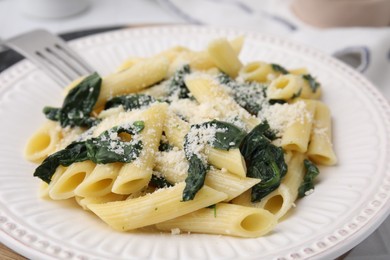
206	90
280	201
44	187
135	175
237	44
198	60
226	219
173	166
43	142
231	160
257	71
320	147
133	79
99	182
110	197
229	183
175	129
224	57
153	208
285	87
297	135
127	64
75	174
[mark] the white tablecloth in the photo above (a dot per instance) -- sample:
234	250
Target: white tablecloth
366	49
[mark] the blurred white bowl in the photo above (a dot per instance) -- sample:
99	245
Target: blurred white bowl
52	8
342	13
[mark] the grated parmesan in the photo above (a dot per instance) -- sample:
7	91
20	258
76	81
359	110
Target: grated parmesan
281	116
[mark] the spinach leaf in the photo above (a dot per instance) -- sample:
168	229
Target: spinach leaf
249	95
164	147
130	102
159	182
314	85
227	136
276	101
264	161
78	104
298	94
106	148
52	113
75	152
224	78
308	181
196	175
177	85
278	68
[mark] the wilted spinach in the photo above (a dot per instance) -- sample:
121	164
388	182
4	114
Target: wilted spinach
75	152
227	136
102	149
130	102
308	181
250	96
314	85
177	85
78	104
195	179
279	68
159	182
264	161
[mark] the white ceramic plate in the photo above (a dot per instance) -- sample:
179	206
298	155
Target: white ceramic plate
349	202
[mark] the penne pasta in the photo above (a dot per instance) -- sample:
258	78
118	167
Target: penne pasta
187	141
70	179
153	208
43	142
320	148
224	57
133	79
136	175
224	218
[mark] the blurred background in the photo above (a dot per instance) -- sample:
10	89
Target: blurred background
356	32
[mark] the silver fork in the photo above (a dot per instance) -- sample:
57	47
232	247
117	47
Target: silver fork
51	54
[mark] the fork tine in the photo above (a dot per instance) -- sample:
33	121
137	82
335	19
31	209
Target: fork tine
76	61
52	71
51	54
53	59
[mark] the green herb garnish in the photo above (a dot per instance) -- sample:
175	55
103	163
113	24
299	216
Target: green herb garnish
227	136
101	149
130	102
159	182
314	85
78	104
278	68
264	161
177	85
308	181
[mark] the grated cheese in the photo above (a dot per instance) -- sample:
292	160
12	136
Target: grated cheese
281	116
198	138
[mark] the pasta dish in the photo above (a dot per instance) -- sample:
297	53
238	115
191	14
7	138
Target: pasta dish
186	141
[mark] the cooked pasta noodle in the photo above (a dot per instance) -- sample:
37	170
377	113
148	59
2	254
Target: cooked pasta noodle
187	140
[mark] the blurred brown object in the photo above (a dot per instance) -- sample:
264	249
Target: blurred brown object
8	254
343	13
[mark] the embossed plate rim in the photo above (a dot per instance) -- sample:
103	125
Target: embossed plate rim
9	227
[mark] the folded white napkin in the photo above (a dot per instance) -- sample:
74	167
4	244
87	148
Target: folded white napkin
365	49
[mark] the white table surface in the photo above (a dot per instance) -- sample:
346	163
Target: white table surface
105	13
